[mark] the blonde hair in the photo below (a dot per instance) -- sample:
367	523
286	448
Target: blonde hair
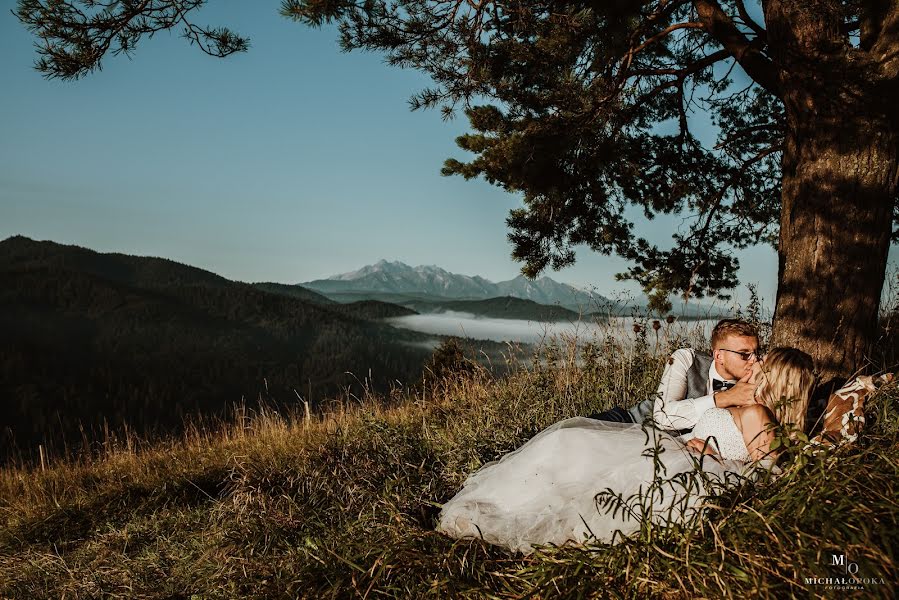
786	387
729	327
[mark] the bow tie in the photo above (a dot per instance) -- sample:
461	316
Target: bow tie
720	386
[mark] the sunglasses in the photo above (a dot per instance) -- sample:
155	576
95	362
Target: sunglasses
743	355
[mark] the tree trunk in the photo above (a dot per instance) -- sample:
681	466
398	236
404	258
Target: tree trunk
839	183
835	229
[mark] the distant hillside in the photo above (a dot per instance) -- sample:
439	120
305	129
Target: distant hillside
295	291
373	310
361	308
406	299
92	338
507	307
428	303
499	308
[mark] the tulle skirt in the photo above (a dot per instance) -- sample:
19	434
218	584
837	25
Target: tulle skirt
581	480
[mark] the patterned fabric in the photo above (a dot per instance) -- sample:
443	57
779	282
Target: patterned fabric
844	416
717	426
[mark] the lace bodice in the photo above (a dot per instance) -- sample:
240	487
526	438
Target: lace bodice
718	424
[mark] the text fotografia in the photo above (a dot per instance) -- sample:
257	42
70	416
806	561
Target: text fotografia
849	578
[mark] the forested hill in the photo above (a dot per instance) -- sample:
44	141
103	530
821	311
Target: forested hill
507	307
87	337
295	291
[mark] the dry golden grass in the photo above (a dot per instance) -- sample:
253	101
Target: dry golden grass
343	504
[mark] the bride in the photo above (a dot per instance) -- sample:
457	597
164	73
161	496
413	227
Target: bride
583	479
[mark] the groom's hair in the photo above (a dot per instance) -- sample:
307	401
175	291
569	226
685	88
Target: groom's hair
729	327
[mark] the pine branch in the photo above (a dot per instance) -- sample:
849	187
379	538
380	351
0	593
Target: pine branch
75	36
721	27
748	21
741	133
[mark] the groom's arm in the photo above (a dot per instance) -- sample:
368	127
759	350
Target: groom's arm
671	409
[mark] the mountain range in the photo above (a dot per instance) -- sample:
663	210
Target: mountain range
429	288
386	277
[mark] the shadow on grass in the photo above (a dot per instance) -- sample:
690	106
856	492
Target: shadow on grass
70	526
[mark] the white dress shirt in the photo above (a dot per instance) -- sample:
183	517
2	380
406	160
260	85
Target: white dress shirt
671	408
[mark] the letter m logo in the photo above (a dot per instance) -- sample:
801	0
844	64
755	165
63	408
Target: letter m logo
838	560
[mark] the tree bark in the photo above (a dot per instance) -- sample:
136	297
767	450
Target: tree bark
835	229
840	174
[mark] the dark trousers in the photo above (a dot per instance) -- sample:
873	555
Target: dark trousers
615	415
638	413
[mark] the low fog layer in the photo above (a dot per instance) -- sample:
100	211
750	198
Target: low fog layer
532	332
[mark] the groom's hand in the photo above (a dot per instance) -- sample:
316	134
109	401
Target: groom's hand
741	394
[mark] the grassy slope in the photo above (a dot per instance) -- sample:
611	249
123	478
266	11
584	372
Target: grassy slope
344	506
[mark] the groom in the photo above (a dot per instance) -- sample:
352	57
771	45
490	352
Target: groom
694	382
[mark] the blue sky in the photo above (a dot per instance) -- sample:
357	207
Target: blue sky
288	163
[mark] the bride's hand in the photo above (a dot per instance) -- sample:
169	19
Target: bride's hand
700	446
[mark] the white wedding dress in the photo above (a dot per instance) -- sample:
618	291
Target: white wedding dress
562	485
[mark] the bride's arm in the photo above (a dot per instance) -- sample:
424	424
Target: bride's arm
701	446
757	425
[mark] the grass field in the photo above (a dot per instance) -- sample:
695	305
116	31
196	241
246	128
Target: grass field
343	504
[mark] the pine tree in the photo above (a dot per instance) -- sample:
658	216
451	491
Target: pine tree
583	108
